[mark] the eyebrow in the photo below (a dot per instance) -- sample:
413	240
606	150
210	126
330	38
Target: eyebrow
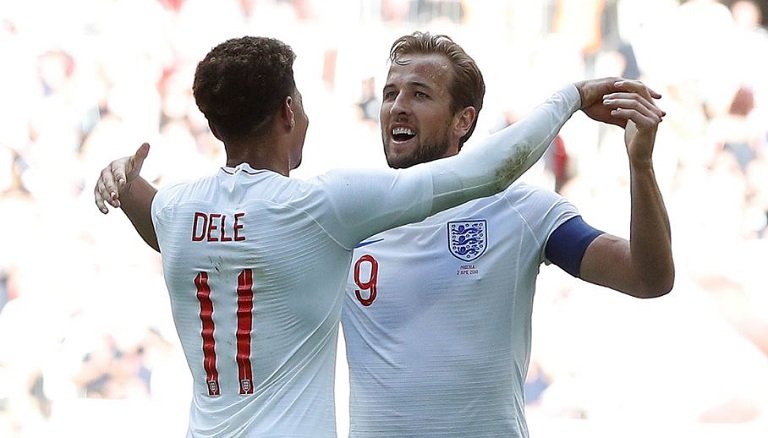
415	84
420	84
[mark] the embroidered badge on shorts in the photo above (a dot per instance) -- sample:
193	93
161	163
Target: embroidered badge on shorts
467	239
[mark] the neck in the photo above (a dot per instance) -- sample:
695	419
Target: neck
265	155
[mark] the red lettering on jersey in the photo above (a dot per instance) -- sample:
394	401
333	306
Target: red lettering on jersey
196	226
224	237
213	228
238	226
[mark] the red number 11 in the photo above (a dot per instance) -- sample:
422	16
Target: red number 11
243	335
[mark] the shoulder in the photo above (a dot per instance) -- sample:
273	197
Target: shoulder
170	191
173	192
543	209
524	194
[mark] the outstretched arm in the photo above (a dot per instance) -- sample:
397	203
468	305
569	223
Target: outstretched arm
510	152
642	266
120	186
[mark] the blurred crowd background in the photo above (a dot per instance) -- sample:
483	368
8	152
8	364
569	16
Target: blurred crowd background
87	344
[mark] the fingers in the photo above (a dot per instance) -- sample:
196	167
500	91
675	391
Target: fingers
108	188
637	87
592	91
117	173
99	199
634	107
115	176
644	120
106	192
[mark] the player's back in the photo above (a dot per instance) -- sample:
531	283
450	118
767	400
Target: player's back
254	280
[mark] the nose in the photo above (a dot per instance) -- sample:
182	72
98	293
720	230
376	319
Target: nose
400	105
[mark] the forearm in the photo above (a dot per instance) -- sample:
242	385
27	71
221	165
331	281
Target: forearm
503	157
650	233
136	203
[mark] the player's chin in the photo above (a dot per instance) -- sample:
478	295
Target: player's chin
400	161
401	148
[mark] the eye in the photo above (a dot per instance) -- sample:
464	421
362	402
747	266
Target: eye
421	94
390	94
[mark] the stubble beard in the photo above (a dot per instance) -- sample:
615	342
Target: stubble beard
423	153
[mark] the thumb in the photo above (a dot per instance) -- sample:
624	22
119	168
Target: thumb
137	161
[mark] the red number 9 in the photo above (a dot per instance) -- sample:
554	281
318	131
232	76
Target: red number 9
369	285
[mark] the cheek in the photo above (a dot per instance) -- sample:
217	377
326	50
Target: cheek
434	127
383	113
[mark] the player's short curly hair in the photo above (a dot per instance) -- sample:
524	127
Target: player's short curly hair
241	83
468	87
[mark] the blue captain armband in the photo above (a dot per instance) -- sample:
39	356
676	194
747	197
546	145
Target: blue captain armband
568	243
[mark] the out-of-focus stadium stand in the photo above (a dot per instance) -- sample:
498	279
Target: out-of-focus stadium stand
87	345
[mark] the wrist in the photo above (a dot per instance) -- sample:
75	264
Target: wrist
128	190
644	164
580	88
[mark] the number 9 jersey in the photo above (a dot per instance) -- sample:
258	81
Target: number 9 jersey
437	318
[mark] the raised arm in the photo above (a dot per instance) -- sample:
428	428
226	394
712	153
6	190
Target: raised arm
642	266
120	186
507	154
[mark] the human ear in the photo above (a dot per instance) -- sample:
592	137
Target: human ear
464	120
286	114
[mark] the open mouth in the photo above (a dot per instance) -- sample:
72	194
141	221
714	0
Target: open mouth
402	134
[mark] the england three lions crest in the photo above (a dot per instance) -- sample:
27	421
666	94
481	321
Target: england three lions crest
467	239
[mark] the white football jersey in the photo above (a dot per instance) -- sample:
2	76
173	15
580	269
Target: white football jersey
437	318
255	265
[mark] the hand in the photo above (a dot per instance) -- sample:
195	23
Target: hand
116	178
641	120
594	92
